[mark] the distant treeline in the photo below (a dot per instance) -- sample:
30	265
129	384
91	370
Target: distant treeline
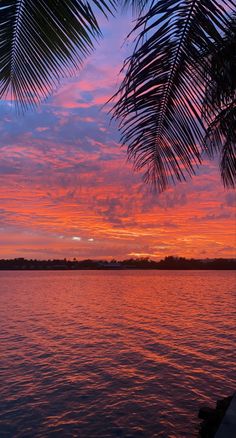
138	263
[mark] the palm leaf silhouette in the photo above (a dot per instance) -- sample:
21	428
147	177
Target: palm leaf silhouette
161	98
219	107
42	41
171	103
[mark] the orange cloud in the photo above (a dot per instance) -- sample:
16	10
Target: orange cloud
106	202
66	189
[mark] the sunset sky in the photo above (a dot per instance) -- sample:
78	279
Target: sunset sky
67	190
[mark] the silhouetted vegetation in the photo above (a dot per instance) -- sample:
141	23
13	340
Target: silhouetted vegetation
177	100
175	263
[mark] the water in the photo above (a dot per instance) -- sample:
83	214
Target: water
114	354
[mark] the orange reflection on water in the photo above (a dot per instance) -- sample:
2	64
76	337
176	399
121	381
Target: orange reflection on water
92	353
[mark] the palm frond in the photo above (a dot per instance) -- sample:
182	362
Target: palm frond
137	6
228	163
42	41
220	105
221	136
160	100
221	73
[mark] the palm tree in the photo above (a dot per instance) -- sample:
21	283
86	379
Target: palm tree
219	107
173	103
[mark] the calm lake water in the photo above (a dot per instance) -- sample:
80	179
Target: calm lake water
114	354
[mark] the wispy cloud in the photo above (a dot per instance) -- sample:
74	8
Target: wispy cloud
66	189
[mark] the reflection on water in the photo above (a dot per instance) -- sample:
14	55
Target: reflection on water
113	354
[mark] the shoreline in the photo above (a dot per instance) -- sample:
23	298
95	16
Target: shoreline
168	263
117	269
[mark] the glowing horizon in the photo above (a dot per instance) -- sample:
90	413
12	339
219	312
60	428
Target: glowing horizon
67	189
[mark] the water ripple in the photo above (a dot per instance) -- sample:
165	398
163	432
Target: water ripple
113	354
